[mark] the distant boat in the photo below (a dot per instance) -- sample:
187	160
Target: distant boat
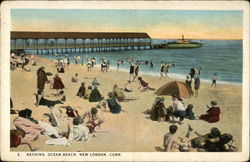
181	44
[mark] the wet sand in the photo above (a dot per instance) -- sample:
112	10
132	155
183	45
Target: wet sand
131	131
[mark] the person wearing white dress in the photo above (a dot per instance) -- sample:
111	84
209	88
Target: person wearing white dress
79	132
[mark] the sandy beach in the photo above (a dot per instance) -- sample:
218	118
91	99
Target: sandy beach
131	131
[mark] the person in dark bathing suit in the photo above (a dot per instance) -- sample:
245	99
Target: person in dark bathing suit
40	100
144	85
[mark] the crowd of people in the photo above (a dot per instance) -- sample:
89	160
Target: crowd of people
66	128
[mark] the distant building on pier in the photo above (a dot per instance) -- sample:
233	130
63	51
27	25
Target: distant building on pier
70	42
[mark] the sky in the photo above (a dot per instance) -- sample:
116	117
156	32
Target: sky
159	24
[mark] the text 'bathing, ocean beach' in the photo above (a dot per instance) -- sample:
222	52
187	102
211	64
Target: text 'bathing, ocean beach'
223	57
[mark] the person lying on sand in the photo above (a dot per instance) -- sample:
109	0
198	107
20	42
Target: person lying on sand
118	93
199	143
211	142
32	131
144	85
40	100
128	87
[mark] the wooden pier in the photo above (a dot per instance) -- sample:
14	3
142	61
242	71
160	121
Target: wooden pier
78	42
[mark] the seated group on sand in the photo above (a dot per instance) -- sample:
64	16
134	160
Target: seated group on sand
21	61
62	130
91	94
178	110
210	142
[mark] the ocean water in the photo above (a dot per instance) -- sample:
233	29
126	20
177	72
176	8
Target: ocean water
223	57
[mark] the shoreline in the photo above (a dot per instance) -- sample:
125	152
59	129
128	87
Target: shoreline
178	76
157	74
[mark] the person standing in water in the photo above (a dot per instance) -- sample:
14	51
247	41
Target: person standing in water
162	70
151	64
166	67
214	79
192	73
118	64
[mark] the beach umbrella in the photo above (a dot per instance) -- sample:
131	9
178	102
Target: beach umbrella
178	88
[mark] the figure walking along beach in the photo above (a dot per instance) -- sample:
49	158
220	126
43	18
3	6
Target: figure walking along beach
41	78
131	71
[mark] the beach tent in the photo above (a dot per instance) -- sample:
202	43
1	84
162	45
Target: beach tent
180	89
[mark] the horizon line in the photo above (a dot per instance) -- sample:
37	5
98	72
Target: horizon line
201	38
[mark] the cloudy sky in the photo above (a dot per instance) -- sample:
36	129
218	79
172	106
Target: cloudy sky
165	24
